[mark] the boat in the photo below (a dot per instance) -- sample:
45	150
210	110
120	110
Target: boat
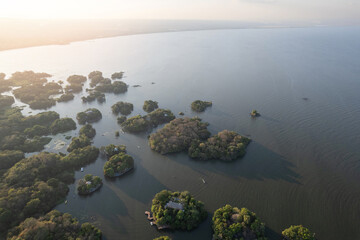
66	202
203	180
82	169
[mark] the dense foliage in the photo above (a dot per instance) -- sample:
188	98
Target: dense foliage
118	164
177	135
112	150
55	225
230	223
124	108
88	131
200	106
89	184
117	75
100	97
6	101
28	78
36	130
150	105
89	116
23	133
8	158
121	119
135	124
38	95
76	79
116	87
96	77
62	125
140	123
73	88
187	218
79	142
66	97
226	146
159	116
298	233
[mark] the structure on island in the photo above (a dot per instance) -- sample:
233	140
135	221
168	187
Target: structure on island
176	210
118	165
89	184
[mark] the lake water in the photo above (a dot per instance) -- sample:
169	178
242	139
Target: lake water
303	164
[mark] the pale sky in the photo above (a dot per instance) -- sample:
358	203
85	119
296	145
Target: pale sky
247	10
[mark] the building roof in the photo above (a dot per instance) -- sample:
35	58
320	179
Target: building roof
174	205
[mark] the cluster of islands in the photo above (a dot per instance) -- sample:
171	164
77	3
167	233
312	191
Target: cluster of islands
32	186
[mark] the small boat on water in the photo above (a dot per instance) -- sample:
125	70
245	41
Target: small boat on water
66	202
82	169
203	180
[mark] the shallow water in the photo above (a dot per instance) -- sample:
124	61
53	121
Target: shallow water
303	164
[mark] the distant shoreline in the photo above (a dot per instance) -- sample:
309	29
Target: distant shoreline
19	34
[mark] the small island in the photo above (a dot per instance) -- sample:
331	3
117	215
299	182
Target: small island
66	97
200	106
117	75
254	113
176	210
233	223
89	184
94	95
225	146
140	123
118	165
135	124
76	79
116	87
112	150
124	108
150	105
89	116
298	232
178	135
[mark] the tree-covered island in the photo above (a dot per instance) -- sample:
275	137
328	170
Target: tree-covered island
225	146
200	106
298	232
178	135
89	184
118	165
124	108
91	115
177	210
231	223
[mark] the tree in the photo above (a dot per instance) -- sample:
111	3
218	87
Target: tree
298	232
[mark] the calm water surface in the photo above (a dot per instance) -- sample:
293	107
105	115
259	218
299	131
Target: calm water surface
303	164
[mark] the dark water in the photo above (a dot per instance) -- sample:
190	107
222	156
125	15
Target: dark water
304	162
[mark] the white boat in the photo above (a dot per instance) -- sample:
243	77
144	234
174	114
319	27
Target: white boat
203	180
82	169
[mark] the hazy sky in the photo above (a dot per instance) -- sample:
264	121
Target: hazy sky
258	10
